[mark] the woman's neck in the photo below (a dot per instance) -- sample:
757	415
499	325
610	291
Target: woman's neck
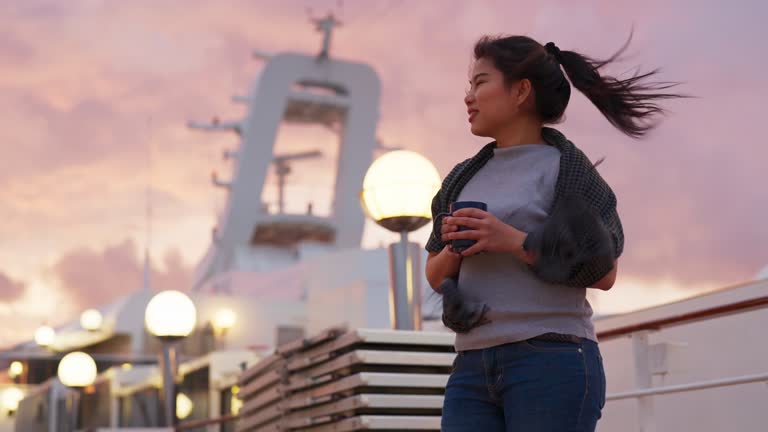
518	133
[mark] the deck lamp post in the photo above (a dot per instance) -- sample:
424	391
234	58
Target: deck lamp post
397	194
170	316
76	370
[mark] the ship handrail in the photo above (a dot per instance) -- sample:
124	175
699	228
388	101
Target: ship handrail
699	385
685	318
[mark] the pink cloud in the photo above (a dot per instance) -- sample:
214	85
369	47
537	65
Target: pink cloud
92	278
10	289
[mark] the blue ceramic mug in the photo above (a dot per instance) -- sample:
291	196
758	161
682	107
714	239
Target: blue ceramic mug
460	245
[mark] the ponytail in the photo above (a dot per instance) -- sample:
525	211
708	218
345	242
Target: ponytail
631	104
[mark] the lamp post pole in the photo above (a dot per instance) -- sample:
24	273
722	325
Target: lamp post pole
397	191
76	370
405	286
170	316
169	380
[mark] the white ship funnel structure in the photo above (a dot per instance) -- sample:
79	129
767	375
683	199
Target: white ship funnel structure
305	89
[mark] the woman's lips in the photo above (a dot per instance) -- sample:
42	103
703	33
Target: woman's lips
472	114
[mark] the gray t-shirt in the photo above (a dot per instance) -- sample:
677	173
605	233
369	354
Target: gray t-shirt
518	185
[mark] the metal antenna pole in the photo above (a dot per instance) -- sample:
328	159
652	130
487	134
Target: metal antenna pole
326	26
283	170
148	213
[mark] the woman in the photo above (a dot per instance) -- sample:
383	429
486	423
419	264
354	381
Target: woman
528	359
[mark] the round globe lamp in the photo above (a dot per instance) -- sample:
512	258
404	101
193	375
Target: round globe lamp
397	194
15	369
91	320
10	399
44	336
77	369
398	190
170	315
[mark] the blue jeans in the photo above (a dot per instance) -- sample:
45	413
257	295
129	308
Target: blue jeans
529	386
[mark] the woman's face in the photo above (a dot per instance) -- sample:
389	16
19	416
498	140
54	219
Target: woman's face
491	104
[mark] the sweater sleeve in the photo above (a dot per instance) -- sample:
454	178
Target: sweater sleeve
599	265
583	236
440	206
610	217
435	242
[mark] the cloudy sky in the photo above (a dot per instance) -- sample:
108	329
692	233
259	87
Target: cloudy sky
92	90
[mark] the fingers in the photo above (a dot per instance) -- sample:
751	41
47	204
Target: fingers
468	222
448	228
458	235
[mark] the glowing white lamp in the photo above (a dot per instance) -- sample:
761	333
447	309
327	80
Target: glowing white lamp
16	369
398	190
224	319
77	369
10	399
170	315
184	406
44	335
91	320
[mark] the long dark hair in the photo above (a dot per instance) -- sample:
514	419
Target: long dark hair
629	104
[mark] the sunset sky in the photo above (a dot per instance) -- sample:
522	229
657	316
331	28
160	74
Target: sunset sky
92	90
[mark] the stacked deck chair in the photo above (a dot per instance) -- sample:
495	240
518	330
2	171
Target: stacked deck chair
349	380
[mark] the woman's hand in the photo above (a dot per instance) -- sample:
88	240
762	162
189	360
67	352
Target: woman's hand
442	265
448	228
491	234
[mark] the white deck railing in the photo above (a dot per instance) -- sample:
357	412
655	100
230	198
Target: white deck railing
700	385
640	324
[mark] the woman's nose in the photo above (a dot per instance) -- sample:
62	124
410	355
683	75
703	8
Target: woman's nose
469	98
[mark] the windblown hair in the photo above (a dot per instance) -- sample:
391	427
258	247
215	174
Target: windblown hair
629	104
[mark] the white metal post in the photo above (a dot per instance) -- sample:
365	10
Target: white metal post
53	403
169	382
114	402
405	286
643	380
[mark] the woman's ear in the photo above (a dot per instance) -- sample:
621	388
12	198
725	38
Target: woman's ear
524	91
